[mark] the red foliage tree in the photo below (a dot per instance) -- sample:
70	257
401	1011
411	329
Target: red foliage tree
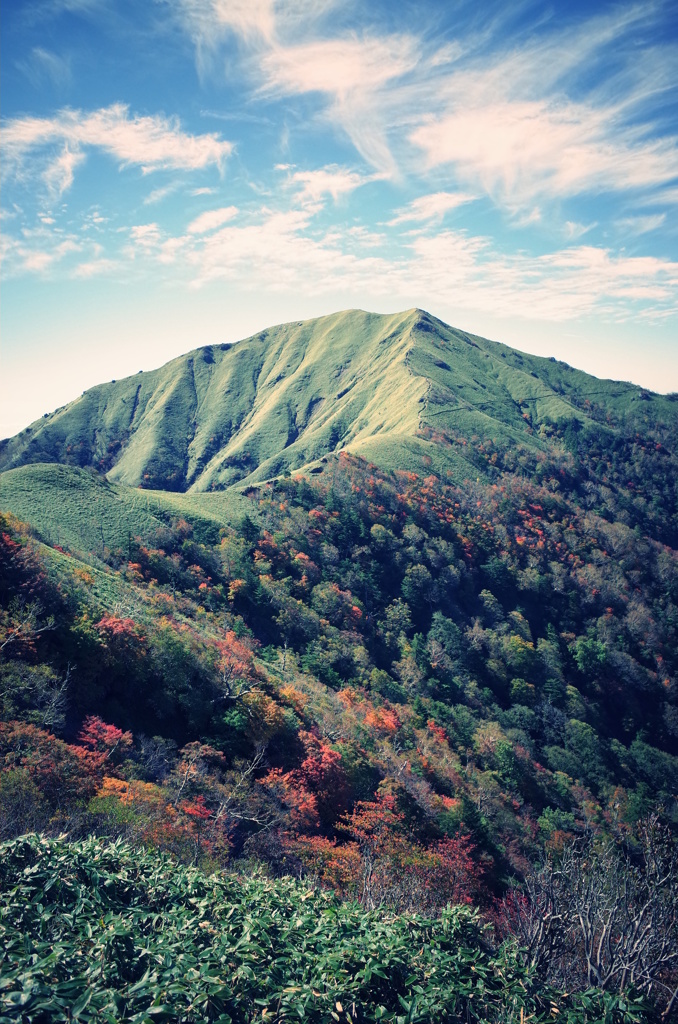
103	740
64	774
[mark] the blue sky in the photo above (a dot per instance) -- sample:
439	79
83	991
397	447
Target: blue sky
187	172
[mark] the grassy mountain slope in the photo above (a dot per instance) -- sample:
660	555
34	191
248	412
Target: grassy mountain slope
396	390
83	511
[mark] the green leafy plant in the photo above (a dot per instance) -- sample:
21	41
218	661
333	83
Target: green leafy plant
95	932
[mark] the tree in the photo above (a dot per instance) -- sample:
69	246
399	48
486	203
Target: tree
102	739
66	775
602	918
21	624
376	828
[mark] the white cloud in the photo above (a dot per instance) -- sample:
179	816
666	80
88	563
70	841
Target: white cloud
513	117
574	230
285	250
431	207
521	149
559	286
94	220
59	175
246	18
208	20
664	197
158	194
365	237
253	21
339	67
211	219
144	238
352	72
38	250
521	121
153	143
258	24
333	181
93	267
280	251
508	114
641	225
447	54
36	260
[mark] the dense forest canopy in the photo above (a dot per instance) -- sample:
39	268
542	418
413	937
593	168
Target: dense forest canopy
413	690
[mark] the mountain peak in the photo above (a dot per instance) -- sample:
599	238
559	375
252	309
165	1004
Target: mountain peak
398	389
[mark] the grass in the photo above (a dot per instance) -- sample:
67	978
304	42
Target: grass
184	439
81	511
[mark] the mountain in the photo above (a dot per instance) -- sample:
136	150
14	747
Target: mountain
403	391
439	651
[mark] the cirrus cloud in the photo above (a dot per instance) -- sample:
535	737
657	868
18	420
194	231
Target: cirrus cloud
431	207
151	142
211	219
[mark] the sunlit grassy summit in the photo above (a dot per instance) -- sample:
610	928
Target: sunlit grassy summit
401	390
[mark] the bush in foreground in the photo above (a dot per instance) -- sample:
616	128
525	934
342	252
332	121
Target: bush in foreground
91	931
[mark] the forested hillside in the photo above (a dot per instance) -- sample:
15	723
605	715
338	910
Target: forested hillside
404	688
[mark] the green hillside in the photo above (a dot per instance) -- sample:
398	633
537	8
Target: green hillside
83	511
398	390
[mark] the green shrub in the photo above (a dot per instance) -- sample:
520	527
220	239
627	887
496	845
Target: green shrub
95	932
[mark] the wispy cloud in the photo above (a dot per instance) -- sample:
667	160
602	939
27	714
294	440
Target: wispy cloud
560	286
574	230
209	20
158	194
517	116
431	207
562	123
641	225
350	72
44	67
59	174
525	122
37	250
256	24
253	21
94	220
286	251
521	149
278	251
150	142
144	239
211	219
242	116
91	268
339	67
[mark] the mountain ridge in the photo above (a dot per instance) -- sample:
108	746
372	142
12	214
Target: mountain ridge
435	679
397	389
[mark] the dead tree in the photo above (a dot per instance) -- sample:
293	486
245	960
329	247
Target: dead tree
605	916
